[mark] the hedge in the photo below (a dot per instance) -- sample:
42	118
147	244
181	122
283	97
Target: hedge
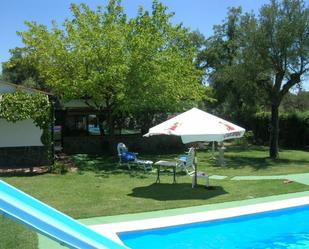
293	129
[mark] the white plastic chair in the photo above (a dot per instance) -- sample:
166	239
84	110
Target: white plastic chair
187	163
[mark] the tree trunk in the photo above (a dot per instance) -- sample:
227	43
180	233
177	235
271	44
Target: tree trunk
111	124
101	120
146	121
274	131
111	131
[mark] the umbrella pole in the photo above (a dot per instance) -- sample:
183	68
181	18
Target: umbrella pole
195	166
221	154
213	150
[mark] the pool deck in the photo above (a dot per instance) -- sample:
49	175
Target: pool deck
110	225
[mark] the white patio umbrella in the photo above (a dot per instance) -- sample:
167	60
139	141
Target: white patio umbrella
197	126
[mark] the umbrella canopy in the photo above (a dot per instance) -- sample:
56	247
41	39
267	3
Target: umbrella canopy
197	126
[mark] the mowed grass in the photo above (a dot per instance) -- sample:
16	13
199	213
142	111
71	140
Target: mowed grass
100	187
16	236
255	161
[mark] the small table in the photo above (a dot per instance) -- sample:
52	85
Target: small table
165	164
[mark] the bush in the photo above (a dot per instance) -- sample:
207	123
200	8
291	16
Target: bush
59	168
293	129
246	140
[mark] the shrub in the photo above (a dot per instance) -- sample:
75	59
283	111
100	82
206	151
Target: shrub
246	140
293	129
59	168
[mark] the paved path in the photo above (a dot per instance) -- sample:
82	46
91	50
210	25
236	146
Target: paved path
217	177
301	178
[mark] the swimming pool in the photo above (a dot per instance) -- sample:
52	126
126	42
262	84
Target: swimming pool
285	228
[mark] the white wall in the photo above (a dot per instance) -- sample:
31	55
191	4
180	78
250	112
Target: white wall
21	133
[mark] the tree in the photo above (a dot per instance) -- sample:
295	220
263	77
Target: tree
140	67
233	86
19	70
162	76
254	61
296	102
198	40
277	43
86	58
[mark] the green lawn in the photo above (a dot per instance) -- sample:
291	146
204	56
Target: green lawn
101	188
16	236
255	161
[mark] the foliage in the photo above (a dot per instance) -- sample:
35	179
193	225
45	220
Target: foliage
296	102
116	65
59	168
198	41
21	106
86	58
277	42
294	128
161	64
162	76
20	70
254	61
246	140
233	86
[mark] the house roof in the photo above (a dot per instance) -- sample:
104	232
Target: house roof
7	87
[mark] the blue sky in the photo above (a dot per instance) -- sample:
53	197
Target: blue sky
196	14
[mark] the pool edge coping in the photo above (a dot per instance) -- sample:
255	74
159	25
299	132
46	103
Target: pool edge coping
187	210
112	230
108	223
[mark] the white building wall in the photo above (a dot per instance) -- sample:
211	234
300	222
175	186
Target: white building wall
21	133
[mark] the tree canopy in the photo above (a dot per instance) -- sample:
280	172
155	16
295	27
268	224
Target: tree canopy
19	70
277	42
117	65
161	63
233	86
255	60
147	64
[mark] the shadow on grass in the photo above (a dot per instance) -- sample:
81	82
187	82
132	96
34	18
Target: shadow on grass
257	163
134	174
36	171
178	191
241	149
104	166
108	165
96	163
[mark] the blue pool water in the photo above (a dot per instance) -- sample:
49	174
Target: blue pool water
283	229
